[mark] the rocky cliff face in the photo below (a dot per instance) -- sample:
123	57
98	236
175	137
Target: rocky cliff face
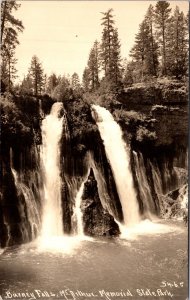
161	92
156	132
78	154
151	135
171	123
96	219
21	195
20	179
160	134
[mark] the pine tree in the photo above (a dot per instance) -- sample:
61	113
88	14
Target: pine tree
62	90
26	85
8	70
162	18
106	45
115	63
128	79
86	79
93	66
11	68
10	27
139	50
37	76
152	44
110	50
52	82
75	81
177	58
76	86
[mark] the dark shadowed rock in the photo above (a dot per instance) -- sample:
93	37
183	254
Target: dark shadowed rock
97	221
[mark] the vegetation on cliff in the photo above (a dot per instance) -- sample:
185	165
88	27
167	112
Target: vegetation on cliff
19	120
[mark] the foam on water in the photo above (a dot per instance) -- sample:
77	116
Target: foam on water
146	228
61	244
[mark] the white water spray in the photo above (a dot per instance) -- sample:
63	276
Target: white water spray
78	211
50	156
118	157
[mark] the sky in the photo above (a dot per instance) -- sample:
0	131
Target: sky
61	33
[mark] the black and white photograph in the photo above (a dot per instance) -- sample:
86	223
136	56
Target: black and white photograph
94	150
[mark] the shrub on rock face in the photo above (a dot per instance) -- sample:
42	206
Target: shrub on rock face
137	124
12	121
20	119
80	121
143	134
127	117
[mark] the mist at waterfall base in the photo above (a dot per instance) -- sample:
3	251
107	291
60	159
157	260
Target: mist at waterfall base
113	265
147	255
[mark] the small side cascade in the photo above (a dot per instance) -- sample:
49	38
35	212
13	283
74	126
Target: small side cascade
174	205
143	185
29	209
77	212
101	184
170	177
183	197
157	179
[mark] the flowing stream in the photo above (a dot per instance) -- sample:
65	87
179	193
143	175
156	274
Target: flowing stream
117	154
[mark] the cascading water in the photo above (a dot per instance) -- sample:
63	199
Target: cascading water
77	212
28	208
144	187
157	179
50	156
117	154
183	197
101	184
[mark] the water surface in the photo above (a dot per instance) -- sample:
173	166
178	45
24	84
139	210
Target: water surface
88	269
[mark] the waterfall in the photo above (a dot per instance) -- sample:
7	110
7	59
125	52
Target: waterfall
183	197
101	184
157	179
50	156
77	212
29	209
143	184
118	156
